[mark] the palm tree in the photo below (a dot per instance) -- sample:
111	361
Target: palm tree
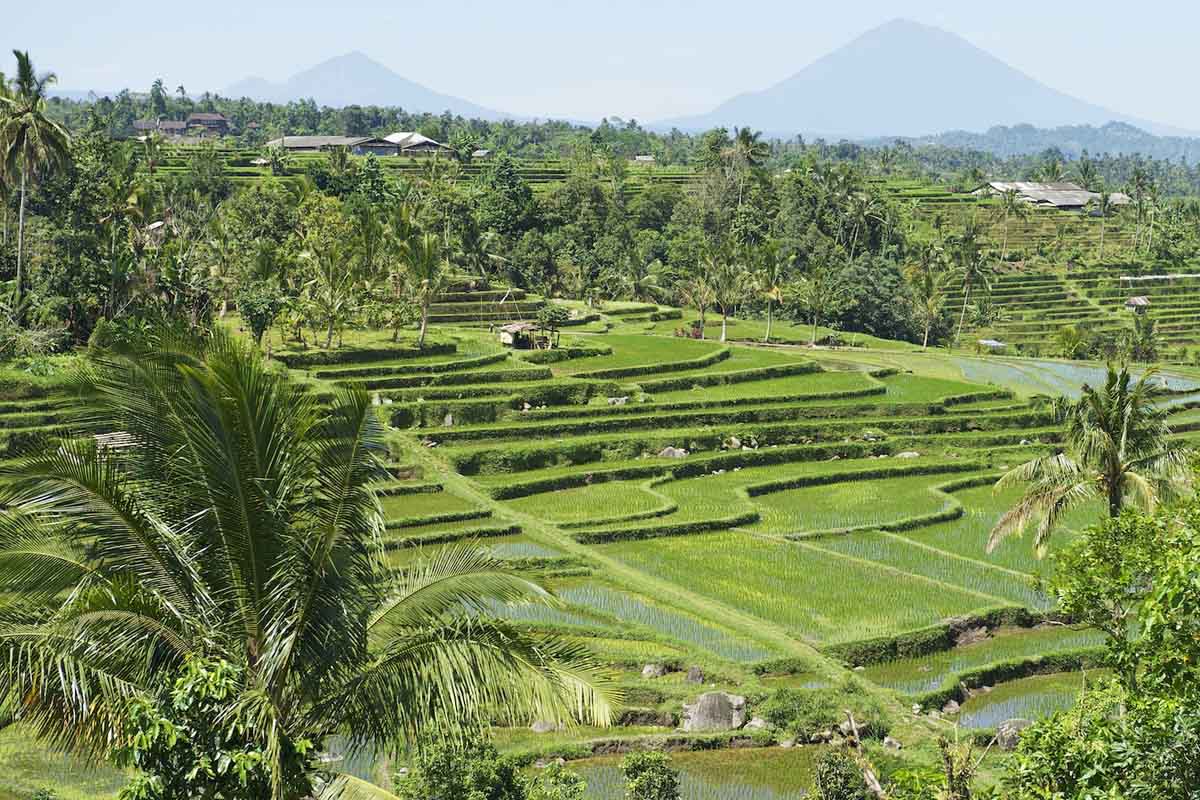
925	275
237	523
1009	204
154	151
972	267
727	278
1086	171
1116	448
862	208
30	143
770	277
428	271
819	294
1102	207
697	292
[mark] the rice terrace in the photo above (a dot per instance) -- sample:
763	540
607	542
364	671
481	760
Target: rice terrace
350	449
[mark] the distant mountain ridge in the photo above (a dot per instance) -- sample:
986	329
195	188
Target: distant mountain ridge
1115	138
905	79
355	79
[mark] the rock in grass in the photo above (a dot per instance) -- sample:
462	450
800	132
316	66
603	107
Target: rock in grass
672	452
951	707
695	675
543	726
715	711
654	671
757	724
908	454
1009	733
891	744
971	636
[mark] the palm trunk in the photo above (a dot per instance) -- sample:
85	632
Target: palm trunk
767	338
20	289
962	318
702	321
724	320
424	326
1004	249
925	341
812	340
1102	238
329	335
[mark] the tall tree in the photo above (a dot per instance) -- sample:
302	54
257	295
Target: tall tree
819	295
1102	207
974	271
771	273
1009	205
926	275
428	268
1116	449
726	275
237	534
31	144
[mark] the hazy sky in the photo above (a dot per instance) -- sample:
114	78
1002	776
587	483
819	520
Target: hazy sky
645	59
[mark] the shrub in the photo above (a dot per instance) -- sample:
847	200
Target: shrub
806	713
838	777
476	770
650	776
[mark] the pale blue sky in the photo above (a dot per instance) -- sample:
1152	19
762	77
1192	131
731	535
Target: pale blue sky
646	59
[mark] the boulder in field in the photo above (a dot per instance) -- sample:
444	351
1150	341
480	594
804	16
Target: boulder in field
695	675
654	671
672	452
715	711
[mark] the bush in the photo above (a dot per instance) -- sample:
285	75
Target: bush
474	771
838	777
807	713
650	776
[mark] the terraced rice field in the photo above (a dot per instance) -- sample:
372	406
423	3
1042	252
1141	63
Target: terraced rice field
738	507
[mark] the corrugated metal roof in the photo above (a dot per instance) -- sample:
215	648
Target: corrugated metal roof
1059	194
317	142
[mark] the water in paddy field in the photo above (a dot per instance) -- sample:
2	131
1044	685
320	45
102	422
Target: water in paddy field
1050	377
1028	698
752	774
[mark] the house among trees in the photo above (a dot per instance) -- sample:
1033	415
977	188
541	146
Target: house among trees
412	143
210	122
165	127
357	145
1138	304
644	159
1061	195
519	335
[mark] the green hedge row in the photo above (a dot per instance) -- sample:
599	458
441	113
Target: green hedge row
955	686
456	378
414	369
682	419
437	519
401	489
670	313
352	355
693	466
434	413
670	529
931	639
618	373
562	354
891	470
445	537
727	378
484	295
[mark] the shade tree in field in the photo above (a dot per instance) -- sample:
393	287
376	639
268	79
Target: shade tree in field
817	295
1117	449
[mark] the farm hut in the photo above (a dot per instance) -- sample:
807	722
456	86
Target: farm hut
644	159
411	143
518	335
991	345
358	145
1138	304
1061	195
483	154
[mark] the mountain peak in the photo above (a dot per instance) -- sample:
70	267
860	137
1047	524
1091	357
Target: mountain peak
354	78
880	84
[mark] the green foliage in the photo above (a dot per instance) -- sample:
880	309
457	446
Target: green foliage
473	770
556	782
806	713
839	778
259	304
193	741
650	776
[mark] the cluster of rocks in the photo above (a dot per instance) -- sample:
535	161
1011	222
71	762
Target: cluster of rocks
672	452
